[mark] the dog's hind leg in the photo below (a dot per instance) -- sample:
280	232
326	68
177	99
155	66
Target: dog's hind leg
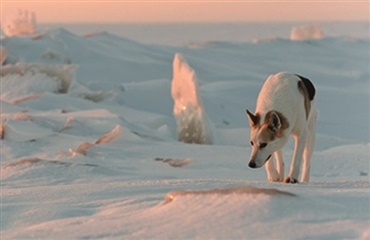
272	173
280	164
308	150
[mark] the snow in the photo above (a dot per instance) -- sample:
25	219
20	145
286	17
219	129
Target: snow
90	142
22	81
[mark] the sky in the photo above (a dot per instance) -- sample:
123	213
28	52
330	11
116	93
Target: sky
120	11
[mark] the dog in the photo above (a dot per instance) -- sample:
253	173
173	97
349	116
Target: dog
285	106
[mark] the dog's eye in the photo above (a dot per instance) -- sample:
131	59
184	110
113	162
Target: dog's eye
251	143
262	145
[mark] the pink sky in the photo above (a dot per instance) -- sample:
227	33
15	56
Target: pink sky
189	11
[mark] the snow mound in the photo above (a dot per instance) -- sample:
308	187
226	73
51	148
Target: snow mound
247	190
192	122
306	32
24	81
22	131
21	24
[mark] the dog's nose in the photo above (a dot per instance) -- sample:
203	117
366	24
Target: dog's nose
252	164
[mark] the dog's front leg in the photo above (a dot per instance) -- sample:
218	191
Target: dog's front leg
280	164
297	158
272	173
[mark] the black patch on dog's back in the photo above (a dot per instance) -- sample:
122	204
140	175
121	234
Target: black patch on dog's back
309	86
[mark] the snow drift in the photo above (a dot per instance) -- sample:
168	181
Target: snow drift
193	125
248	190
23	81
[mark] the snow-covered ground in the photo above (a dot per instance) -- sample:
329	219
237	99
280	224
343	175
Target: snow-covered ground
90	148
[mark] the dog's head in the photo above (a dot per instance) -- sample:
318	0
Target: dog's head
267	136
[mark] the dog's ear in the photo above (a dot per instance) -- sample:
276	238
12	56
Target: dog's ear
253	119
274	121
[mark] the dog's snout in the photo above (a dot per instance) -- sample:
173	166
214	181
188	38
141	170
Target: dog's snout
252	164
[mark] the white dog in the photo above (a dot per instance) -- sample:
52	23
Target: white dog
285	106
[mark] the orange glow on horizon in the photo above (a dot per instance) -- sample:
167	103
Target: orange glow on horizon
195	11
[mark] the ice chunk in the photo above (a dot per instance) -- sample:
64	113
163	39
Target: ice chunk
110	136
192	122
106	138
174	162
81	149
20	24
306	32
2	132
3	55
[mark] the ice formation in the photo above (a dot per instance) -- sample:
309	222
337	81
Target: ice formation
20	24
3	55
106	138
306	32
192	122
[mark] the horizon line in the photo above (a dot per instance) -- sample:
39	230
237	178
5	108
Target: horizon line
209	22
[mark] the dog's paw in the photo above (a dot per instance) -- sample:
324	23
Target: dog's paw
274	178
290	180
